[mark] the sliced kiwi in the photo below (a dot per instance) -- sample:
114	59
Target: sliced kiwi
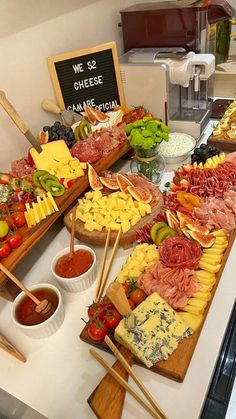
84	129
157	226
55	187
46	177
163	233
37	177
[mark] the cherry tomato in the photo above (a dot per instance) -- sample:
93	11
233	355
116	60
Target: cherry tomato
18	206
138	296
97	330
96	310
112	318
105	302
10	221
14	239
132	304
126	288
5	250
19	218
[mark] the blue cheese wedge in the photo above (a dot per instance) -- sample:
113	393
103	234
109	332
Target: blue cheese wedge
158	330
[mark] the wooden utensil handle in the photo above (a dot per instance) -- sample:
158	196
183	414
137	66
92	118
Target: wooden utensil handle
8	347
12	113
116	294
49	106
19	284
107	399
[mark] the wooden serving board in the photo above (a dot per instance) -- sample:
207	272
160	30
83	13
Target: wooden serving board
32	235
98	238
174	368
222	144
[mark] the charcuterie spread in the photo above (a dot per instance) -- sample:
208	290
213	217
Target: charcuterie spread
171	274
224	131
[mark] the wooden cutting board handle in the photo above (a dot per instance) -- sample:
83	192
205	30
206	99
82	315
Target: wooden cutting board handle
12	113
108	398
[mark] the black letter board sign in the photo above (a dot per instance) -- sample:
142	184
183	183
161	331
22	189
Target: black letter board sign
87	77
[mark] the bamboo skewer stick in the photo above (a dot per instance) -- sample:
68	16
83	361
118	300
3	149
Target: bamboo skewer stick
72	232
41	306
102	266
104	280
131	372
124	384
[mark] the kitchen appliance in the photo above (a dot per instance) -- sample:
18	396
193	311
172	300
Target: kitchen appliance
173	85
202	27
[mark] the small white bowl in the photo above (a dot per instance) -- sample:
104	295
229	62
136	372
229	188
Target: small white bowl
49	326
77	283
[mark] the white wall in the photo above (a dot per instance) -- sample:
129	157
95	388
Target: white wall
32	30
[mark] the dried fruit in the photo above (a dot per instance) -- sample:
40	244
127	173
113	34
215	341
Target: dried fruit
109	183
188	200
43	137
123	182
140	194
93	178
205	240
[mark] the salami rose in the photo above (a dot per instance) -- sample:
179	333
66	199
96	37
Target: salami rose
180	252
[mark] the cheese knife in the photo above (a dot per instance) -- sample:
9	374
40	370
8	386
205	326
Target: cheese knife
18	121
117	295
68	117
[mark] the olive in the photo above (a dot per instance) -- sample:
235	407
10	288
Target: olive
203	146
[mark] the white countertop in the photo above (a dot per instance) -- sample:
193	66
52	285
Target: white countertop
60	374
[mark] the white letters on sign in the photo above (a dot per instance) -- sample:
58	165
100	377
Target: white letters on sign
78	68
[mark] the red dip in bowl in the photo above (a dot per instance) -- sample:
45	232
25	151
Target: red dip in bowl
25	311
70	266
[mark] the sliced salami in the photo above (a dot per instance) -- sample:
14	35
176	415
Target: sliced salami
179	252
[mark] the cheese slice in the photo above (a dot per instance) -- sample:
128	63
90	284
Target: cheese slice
41	209
52	200
193	321
54	151
158	330
47	208
35	210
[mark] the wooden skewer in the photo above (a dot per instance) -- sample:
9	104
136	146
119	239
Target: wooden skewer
131	372
104	280
72	232
102	266
8	347
124	384
41	306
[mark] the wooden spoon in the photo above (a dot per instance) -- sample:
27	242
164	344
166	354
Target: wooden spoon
41	306
72	233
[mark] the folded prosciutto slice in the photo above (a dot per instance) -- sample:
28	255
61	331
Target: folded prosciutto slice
176	286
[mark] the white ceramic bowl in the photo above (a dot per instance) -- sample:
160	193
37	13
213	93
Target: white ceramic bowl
77	283
49	326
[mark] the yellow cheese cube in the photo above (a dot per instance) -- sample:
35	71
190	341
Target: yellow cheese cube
125	225
135	219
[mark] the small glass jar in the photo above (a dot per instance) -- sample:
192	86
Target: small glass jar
149	163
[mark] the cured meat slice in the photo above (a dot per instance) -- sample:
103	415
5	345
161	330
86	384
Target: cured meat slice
87	151
180	253
176	286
